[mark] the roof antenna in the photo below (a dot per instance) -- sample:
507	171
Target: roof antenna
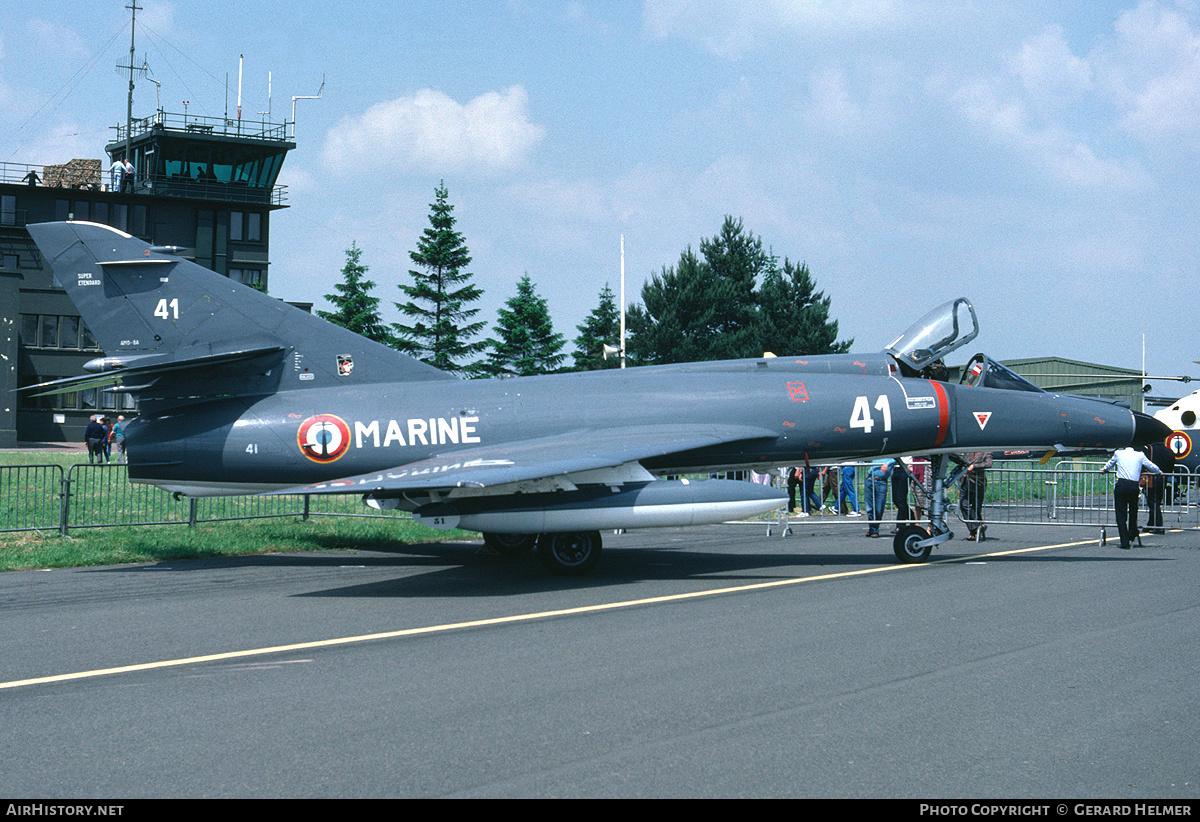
294	99
133	9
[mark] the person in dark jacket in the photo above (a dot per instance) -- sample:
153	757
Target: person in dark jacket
972	489
94	436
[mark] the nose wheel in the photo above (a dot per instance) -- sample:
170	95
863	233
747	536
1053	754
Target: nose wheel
913	544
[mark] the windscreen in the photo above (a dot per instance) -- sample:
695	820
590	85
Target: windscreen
935	335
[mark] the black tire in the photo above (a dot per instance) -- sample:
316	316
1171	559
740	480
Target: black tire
905	544
570	555
510	545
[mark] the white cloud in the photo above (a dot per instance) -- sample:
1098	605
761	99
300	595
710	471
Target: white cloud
1154	71
731	27
67	44
429	131
1047	68
1009	121
158	17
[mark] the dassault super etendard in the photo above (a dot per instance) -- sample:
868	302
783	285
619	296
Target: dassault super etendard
240	393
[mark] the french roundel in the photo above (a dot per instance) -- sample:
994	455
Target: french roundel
1180	444
323	438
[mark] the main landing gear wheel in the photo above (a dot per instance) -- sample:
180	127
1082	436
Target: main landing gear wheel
906	547
510	545
570	555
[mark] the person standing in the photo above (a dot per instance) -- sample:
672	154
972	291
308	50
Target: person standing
847	496
115	172
900	492
1156	488
875	489
972	489
793	480
830	482
118	437
1129	463
127	177
812	503
93	435
106	446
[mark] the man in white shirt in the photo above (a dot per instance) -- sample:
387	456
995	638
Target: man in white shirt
1130	463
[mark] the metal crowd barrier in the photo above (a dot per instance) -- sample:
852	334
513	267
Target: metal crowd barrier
51	497
1070	492
86	495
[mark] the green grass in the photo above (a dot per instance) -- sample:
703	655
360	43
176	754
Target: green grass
155	543
108	513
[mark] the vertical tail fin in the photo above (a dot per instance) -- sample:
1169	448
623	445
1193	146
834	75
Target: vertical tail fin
144	306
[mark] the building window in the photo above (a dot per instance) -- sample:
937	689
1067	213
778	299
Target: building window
49	331
54	331
247	276
28	335
68	332
245	227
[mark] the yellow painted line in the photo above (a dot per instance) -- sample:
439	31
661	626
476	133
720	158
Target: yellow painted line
508	620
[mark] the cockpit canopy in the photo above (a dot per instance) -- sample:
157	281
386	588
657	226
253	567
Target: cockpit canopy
945	328
982	370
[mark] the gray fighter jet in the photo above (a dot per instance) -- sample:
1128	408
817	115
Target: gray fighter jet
240	393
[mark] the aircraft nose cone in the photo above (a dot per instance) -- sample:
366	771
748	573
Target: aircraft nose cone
1147	429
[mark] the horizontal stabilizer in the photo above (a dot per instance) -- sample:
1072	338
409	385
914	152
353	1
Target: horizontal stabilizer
123	376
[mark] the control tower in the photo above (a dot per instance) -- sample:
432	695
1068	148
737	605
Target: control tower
222	172
206	184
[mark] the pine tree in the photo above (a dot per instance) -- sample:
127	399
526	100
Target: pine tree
439	297
794	316
355	308
705	308
527	343
735	261
602	327
732	301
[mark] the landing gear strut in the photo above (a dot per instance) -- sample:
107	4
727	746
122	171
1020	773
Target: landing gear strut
914	543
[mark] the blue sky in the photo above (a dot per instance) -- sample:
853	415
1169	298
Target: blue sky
1040	158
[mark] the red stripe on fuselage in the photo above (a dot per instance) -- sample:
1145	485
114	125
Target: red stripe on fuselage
943	413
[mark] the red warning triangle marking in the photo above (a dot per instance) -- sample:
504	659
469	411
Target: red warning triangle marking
982	418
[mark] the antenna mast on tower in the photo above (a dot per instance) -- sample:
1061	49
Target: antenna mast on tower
133	10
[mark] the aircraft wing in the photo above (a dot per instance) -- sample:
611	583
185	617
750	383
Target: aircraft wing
557	455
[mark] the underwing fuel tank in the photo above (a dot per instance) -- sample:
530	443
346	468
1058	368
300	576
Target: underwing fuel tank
662	503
